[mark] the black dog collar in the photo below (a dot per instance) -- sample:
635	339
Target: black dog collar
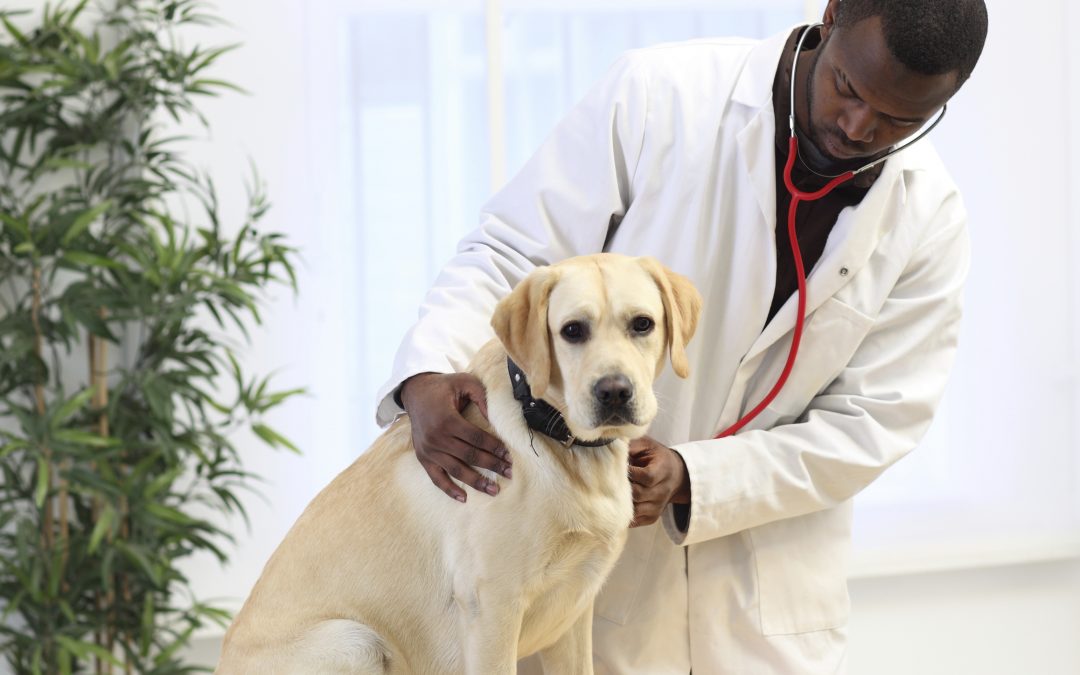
542	416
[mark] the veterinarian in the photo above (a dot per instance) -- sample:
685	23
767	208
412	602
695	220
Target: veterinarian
738	557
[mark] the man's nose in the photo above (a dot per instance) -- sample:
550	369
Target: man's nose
858	122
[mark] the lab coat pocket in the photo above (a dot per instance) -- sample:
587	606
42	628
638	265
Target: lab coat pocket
801	566
619	596
832	335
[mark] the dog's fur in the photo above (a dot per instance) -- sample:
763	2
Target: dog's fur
383	573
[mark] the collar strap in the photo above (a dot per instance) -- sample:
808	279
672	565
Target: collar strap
542	416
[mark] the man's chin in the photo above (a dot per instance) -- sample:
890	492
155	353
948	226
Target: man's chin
824	162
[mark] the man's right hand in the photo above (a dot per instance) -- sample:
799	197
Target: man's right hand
445	442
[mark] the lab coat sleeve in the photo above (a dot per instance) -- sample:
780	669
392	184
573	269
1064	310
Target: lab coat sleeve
561	204
867	418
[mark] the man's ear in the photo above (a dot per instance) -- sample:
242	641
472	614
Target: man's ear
682	309
520	322
829	18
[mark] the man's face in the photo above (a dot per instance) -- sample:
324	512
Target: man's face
862	99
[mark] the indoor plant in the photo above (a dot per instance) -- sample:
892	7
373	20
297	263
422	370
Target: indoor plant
120	286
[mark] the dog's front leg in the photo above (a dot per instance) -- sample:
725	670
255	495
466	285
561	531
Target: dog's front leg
572	653
491	618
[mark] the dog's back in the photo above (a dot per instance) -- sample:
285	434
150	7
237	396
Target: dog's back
312	612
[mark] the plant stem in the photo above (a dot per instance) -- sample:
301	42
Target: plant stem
39	399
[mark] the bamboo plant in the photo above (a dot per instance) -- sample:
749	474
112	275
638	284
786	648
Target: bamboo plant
121	292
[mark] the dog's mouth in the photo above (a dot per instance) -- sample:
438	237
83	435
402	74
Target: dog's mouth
621	421
619	418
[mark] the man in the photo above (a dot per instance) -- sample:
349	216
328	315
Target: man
678	153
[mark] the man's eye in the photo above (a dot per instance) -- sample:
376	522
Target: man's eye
642	325
842	88
575	331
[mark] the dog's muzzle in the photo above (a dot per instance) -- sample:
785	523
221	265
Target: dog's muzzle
613	395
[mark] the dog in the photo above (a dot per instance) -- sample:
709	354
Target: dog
384	574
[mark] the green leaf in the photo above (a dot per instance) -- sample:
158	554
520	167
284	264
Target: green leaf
56	571
84	650
274	399
181	641
59	163
42	482
147	632
169	514
112	65
83	220
79	258
161	482
137	555
15	32
101	527
65	661
76	437
205	86
13	446
21	227
273	438
70	407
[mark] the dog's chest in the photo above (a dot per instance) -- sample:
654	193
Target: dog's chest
582	544
565	583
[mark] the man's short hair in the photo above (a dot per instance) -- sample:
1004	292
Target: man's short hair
931	37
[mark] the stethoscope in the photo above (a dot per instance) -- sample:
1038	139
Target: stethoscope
797	196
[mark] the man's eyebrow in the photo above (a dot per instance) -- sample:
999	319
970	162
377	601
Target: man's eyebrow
842	76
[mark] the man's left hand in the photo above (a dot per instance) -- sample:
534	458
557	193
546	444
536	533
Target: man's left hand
658	477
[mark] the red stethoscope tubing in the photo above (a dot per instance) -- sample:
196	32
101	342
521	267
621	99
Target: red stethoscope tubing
797	196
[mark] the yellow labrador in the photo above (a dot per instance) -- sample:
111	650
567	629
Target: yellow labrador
384	574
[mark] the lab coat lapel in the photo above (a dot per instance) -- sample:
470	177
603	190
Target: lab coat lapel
754	90
758	158
850	245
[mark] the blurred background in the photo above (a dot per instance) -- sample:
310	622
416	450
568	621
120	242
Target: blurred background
381	126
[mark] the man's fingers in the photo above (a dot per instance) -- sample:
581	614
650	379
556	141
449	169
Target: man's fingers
471	389
442	481
640	475
467	475
473	456
473	435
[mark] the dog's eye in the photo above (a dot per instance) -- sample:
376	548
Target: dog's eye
642	325
575	331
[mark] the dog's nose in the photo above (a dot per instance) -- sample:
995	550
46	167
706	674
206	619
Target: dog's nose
613	391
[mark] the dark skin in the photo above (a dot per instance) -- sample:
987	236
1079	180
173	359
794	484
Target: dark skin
854	102
859	100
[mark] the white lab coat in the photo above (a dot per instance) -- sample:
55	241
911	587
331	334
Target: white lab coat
672	155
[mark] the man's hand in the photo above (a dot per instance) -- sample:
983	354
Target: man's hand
658	477
445	442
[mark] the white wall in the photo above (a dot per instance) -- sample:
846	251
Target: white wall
1017	620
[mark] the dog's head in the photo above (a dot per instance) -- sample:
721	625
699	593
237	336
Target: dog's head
591	334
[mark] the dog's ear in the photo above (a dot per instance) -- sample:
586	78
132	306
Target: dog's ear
682	308
520	322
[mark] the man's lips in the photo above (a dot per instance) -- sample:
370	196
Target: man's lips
839	149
